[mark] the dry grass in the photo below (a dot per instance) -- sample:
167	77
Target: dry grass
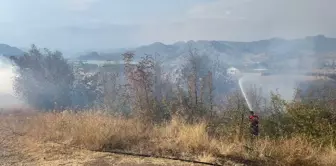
98	131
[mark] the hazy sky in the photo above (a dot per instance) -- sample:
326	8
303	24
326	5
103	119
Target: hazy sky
80	25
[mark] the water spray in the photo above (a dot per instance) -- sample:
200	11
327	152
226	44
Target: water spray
244	94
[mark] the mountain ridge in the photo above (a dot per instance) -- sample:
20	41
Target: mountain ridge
231	51
7	50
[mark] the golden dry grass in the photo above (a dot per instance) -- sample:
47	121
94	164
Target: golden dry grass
99	131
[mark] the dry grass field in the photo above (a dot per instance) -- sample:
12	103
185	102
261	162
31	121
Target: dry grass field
31	138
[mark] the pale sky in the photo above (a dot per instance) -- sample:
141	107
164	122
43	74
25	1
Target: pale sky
79	25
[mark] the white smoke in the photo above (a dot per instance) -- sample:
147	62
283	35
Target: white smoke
7	74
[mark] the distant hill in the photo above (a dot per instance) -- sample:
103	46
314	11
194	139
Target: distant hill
100	56
6	50
92	56
233	52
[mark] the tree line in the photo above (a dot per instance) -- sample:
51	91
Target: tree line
47	81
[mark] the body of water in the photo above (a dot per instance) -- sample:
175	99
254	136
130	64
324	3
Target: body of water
257	88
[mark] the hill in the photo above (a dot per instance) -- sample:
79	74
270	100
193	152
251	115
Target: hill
234	52
7	50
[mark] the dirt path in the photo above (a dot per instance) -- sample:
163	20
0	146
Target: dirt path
50	154
21	151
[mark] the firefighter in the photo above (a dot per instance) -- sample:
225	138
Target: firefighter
254	124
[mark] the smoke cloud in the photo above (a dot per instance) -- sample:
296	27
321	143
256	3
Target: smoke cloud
7	95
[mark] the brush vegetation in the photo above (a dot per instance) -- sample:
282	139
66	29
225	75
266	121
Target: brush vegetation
142	112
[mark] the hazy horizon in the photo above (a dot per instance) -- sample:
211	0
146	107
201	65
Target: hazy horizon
81	25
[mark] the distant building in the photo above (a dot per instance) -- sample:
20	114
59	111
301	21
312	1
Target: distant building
232	71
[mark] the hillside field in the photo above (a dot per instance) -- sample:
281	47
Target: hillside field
80	139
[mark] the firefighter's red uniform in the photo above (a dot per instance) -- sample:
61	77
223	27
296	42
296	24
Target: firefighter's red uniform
254	121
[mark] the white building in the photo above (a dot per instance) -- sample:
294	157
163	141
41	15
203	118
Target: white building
232	71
